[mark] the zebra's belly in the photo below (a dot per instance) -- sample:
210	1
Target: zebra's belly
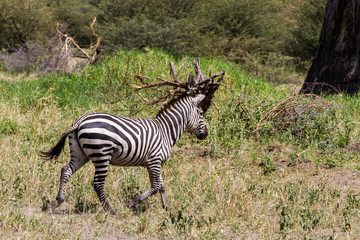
117	155
128	161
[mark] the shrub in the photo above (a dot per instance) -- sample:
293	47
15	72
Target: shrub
306	33
23	21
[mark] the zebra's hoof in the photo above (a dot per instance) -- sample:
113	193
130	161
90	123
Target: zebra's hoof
165	207
54	204
132	203
165	203
112	212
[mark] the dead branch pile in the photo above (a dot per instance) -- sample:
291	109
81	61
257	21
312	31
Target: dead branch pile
296	113
61	54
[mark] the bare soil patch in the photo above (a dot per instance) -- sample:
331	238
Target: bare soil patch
315	173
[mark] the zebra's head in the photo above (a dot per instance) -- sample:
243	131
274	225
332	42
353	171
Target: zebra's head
196	124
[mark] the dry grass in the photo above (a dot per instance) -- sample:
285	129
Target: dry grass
17	77
211	194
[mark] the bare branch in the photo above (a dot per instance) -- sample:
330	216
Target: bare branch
244	110
97	44
139	76
68	39
199	77
217	108
222	73
173	72
157	84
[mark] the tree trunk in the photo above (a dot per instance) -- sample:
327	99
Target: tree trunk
335	67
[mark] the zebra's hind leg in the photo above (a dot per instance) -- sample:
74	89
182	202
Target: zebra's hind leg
66	172
78	159
101	170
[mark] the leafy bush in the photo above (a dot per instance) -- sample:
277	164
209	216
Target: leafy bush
23	21
306	33
248	32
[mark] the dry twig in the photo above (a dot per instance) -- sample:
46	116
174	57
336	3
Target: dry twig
69	39
244	110
194	85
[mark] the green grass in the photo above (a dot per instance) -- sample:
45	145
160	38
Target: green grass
294	181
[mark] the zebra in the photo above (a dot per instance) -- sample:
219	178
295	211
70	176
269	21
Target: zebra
106	139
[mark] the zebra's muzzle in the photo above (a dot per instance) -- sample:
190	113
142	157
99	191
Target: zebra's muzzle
202	135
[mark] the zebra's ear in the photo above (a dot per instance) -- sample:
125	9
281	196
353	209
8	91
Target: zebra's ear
197	99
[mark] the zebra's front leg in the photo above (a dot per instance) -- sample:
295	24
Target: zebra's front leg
101	170
155	176
164	201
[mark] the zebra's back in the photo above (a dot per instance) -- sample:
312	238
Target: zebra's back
124	141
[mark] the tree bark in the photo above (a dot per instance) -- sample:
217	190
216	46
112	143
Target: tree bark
335	67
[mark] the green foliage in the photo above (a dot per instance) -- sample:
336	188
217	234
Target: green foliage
245	17
79	15
82	204
304	198
302	120
23	21
270	39
309	19
165	24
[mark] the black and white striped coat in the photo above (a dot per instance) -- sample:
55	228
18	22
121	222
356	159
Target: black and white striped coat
106	139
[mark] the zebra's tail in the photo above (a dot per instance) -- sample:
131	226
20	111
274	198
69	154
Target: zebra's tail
56	150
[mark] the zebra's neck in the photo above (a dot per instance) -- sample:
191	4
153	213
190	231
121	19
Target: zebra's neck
173	119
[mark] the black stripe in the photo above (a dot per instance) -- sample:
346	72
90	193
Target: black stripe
118	120
100	172
168	128
96	146
174	123
99	136
72	165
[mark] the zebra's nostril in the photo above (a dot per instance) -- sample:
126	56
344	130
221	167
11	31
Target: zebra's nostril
202	136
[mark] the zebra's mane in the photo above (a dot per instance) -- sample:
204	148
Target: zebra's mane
169	103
